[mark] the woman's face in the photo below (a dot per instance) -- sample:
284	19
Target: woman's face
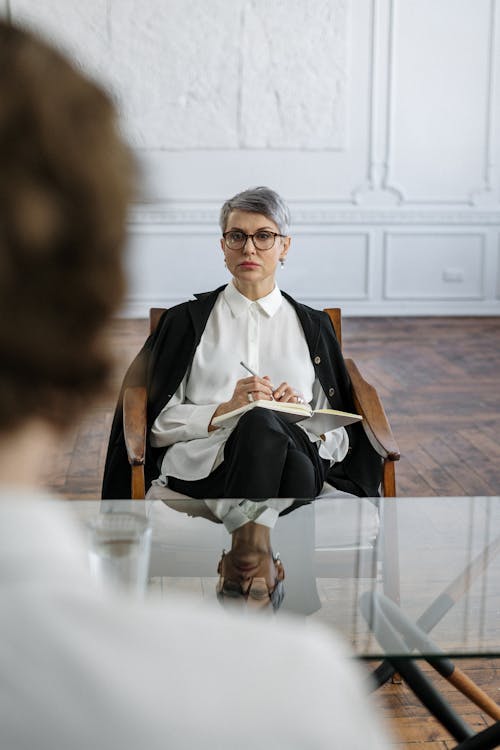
253	270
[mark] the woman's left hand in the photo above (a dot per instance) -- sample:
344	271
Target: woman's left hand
285	393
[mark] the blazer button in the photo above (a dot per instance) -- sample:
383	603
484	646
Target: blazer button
331	391
317	360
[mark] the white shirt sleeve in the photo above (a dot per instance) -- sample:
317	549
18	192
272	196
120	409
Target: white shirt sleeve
336	443
179	421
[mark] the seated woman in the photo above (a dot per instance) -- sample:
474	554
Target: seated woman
192	368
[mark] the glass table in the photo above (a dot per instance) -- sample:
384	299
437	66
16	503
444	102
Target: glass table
402	579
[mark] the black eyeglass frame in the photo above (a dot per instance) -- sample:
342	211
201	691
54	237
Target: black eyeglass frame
246	236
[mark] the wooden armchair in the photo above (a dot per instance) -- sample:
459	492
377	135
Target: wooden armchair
366	402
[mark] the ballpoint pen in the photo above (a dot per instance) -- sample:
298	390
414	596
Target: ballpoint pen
300	399
252	372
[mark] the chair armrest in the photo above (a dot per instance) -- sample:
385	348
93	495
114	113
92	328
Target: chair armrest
375	422
134	424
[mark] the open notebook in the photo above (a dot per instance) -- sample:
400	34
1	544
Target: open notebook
319	420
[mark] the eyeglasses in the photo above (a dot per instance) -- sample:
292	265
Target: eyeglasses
235	239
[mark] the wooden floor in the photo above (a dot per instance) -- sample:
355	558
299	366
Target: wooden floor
439	381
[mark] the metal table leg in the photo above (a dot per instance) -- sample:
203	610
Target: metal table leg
398	635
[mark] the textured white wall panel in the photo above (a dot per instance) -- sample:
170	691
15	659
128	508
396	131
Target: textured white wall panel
192	74
170	64
81	29
438	266
293	74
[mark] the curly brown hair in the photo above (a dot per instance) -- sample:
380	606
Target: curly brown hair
66	178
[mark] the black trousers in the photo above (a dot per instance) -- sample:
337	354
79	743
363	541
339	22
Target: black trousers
264	456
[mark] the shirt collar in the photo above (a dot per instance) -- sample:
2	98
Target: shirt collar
239	304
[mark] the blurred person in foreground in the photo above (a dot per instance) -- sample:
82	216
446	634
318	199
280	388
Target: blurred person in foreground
80	669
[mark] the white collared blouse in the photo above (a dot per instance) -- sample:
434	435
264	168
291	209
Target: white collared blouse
267	335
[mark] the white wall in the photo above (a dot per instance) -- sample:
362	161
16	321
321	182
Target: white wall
378	120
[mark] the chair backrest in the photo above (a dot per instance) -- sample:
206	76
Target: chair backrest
155	314
366	402
334	313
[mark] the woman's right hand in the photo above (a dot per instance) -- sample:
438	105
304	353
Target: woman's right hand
245	391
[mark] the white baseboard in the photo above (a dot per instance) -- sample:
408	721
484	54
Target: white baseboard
140	308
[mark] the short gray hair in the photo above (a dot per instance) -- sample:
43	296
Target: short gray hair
258	200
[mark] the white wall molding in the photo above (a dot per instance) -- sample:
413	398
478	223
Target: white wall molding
443	268
136	307
202	214
487	193
378	189
440	265
327	274
390	183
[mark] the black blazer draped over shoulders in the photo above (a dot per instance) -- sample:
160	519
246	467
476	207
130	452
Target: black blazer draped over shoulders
167	355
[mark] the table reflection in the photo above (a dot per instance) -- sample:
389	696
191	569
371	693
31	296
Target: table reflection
312	540
251	573
333	551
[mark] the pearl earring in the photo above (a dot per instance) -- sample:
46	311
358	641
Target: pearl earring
282	262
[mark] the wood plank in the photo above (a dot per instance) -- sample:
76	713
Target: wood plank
476	456
433	473
466	477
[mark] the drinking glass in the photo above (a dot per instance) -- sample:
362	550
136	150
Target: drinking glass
119	550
